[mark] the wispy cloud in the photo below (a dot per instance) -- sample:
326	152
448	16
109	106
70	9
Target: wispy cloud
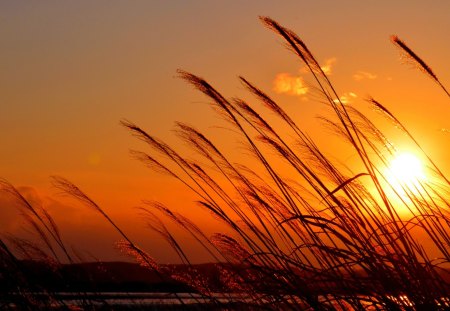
361	75
286	83
346	98
327	68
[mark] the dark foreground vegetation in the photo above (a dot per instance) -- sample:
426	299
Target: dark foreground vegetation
315	235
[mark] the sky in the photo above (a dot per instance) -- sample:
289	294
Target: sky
71	70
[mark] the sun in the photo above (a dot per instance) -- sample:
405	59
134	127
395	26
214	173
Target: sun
405	171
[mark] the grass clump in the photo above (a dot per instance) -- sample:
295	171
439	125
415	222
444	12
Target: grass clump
324	238
329	240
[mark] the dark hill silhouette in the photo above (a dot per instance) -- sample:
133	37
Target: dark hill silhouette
116	276
130	277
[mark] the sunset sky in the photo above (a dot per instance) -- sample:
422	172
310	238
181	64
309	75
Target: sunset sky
71	70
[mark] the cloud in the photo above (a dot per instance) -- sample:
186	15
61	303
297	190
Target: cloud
286	83
346	98
361	75
326	68
328	65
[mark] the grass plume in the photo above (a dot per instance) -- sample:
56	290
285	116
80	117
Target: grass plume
410	54
306	234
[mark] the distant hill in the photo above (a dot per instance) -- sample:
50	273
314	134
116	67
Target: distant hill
117	276
131	277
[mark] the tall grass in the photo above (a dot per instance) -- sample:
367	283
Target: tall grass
324	238
331	239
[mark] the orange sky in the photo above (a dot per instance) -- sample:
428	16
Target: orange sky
70	71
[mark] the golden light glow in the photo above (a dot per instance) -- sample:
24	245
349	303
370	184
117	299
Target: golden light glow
405	171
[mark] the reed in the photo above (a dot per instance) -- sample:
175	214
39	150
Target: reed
323	239
330	240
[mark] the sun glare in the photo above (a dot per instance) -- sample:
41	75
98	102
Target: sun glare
405	170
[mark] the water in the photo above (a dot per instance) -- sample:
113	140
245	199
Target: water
142	301
179	301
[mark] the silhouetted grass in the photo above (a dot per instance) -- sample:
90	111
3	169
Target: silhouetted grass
323	239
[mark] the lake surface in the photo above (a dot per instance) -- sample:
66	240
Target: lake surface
144	301
171	301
